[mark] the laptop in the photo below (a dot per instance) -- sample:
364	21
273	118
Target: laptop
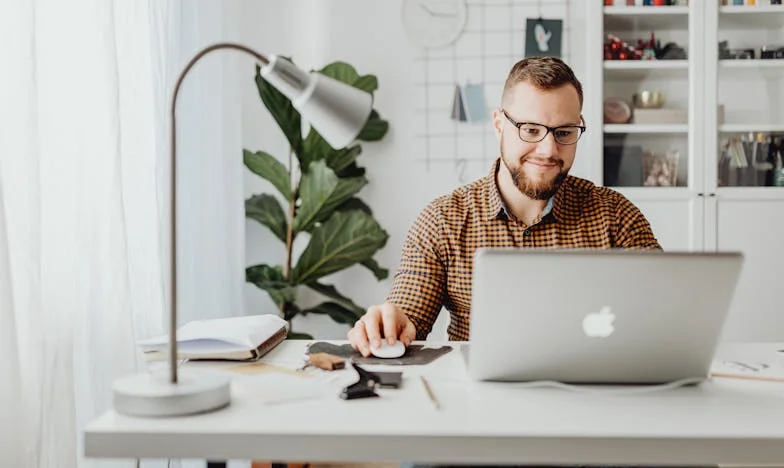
597	316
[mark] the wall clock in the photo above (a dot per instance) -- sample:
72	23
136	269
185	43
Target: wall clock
434	23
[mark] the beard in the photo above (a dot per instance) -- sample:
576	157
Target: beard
542	189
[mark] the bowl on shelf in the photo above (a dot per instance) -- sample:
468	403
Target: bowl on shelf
648	100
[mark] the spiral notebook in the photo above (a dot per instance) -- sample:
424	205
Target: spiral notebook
245	338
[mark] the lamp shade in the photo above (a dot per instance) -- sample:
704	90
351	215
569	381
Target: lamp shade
336	110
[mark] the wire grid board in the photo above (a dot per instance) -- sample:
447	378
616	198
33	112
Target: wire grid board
492	41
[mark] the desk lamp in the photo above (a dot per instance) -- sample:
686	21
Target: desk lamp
338	112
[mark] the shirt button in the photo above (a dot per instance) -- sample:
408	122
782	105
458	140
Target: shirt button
527	233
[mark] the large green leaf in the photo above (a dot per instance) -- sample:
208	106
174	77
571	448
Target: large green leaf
345	190
341	159
282	111
336	311
375	128
271	279
346	238
314	148
379	272
321	191
341	71
332	293
354	203
353	170
266	166
266	210
368	83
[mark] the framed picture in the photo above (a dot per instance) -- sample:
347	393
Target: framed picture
543	37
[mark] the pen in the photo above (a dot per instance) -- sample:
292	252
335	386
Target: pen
430	393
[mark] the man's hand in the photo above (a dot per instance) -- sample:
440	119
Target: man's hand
385	321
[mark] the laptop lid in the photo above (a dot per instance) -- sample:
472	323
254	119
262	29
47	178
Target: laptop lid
598	316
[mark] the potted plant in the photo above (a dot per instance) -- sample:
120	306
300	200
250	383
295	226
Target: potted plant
317	198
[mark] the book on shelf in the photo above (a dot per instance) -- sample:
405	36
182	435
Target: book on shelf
244	338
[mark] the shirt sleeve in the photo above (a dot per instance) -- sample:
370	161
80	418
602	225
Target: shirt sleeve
419	286
634	230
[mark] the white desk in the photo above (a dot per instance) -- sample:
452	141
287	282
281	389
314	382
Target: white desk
723	421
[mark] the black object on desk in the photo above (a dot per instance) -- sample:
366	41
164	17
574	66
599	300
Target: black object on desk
415	354
365	387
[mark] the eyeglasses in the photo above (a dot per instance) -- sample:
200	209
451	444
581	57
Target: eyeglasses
531	132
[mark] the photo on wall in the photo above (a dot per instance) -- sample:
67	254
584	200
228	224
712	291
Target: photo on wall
543	37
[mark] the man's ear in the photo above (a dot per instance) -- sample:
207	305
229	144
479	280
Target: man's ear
498	123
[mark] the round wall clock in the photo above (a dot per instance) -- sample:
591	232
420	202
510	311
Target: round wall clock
434	23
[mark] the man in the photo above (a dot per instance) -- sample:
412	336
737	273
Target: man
527	200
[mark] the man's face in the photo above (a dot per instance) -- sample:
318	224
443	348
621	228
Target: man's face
537	168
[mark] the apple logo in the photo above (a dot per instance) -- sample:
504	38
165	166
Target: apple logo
599	324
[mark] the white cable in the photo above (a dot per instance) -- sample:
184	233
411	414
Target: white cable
610	391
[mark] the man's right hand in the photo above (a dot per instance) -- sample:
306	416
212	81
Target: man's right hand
385	321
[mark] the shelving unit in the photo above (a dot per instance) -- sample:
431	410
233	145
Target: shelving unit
646	128
704	214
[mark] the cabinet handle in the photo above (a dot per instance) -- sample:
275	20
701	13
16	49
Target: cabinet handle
700	194
711	194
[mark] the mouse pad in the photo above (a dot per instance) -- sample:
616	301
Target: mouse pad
415	354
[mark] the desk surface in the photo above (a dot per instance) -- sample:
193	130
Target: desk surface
724	420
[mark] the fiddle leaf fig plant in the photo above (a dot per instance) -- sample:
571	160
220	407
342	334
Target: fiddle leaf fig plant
316	198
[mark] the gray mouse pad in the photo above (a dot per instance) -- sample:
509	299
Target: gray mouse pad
415	354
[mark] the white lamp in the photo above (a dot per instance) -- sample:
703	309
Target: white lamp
338	112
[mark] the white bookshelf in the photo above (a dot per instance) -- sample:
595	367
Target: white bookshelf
638	69
751	64
751	127
646	17
646	128
645	11
648	65
751	10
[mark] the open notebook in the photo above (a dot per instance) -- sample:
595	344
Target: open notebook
234	338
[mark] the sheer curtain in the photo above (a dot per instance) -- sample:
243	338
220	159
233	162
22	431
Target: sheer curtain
83	221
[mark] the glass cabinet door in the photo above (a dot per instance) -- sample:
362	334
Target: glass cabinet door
646	94
750	95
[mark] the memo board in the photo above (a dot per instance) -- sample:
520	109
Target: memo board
492	41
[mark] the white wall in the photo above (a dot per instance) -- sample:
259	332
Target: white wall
370	36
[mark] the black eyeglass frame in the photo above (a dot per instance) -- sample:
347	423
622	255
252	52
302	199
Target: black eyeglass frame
549	130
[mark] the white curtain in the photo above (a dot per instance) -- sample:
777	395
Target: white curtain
84	97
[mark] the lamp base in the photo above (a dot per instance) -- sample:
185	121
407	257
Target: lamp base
152	394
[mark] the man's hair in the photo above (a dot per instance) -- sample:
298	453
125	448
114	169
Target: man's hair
544	73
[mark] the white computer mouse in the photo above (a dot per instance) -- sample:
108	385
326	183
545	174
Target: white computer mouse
386	350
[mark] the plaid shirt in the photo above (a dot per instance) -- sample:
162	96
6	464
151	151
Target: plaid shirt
437	259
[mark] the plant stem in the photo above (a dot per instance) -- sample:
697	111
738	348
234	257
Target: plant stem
290	229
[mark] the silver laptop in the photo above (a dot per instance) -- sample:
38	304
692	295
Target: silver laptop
597	316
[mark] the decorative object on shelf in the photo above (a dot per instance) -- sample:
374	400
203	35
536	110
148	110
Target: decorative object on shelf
772	52
339	112
616	111
651	49
725	53
660	170
434	23
319	192
648	100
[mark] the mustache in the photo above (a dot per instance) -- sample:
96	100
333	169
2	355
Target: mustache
557	162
